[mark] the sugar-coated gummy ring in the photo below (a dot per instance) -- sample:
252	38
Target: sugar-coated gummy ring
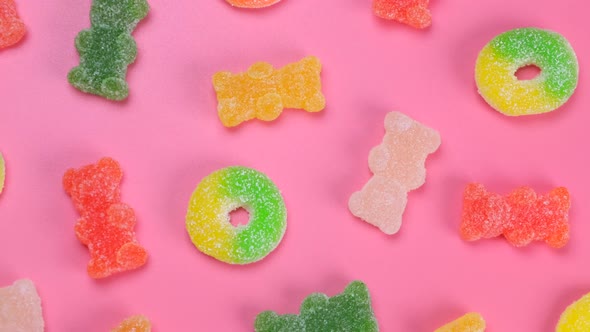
499	60
223	191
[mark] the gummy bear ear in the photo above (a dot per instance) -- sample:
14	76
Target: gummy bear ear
358	289
111	165
140	9
68	180
397	122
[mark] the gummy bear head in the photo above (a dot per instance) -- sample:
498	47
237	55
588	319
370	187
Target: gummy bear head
94	188
404	149
118	14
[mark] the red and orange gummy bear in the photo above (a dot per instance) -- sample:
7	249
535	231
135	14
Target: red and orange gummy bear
12	29
106	224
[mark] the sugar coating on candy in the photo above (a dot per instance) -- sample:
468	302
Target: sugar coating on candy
252	3
349	311
12	28
576	317
106	224
2	172
471	322
398	167
263	92
499	60
107	48
522	216
220	193
137	323
414	13
20	308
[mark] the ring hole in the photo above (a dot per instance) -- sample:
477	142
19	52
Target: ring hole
527	72
239	217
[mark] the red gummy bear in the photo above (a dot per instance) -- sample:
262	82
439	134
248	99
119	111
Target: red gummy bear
522	216
12	29
106	225
414	13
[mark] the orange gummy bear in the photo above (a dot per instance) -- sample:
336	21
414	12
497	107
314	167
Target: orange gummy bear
252	3
522	216
137	323
12	29
263	91
105	224
414	13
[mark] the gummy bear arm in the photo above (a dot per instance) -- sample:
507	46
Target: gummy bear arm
140	9
378	157
82	231
83	40
128	47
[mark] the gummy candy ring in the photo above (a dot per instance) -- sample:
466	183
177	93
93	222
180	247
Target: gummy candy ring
228	189
499	60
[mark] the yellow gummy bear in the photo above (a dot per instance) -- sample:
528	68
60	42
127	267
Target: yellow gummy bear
2	172
263	92
471	322
137	323
576	317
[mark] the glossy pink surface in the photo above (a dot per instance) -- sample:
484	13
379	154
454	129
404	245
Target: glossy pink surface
167	137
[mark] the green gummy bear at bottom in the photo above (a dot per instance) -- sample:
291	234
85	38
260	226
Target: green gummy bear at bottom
107	48
349	311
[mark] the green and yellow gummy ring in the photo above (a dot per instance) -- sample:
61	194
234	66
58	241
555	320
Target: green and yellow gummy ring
499	60
223	191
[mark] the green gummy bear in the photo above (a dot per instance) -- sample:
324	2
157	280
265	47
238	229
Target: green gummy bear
107	48
349	311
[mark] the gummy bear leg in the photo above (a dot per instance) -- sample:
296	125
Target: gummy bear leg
97	268
131	256
269	107
316	103
114	88
559	238
80	80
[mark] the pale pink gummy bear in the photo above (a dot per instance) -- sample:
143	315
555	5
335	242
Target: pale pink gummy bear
20	308
398	167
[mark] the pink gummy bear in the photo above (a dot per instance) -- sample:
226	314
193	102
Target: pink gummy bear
20	308
398	167
106	224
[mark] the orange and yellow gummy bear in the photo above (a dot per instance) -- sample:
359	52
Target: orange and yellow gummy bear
137	323
263	92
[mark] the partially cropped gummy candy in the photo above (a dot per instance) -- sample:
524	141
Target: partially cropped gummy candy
414	13
2	172
106	225
20	308
471	322
107	48
263	92
576	317
252	3
522	216
398	167
137	323
349	311
12	28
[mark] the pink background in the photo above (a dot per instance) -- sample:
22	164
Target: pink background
167	137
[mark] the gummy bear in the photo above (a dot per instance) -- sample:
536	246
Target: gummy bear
12	29
263	91
2	172
414	13
137	323
20	308
252	3
398	167
349	311
471	322
576	317
106	224
107	48
522	216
